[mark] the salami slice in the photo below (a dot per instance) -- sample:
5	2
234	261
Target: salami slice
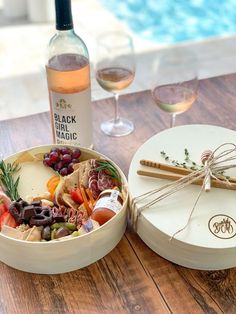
73	220
93	177
93	186
94	163
92	173
72	213
72	216
60	211
80	218
105	181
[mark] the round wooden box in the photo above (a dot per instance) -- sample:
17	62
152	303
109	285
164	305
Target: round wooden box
209	240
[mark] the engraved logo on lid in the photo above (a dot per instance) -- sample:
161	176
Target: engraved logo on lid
222	226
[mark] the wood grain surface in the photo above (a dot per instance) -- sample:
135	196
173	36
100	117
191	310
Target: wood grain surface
131	278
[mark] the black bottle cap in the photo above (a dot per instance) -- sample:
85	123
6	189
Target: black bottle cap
63	15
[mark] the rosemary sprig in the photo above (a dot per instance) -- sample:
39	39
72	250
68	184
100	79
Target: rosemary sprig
7	180
110	169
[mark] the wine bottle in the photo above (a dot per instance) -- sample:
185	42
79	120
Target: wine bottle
68	76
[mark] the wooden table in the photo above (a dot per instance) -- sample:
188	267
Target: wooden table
132	278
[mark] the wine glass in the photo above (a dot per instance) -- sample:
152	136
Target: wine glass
175	83
115	70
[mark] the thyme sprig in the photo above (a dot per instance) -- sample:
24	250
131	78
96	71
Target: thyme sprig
6	178
110	169
187	163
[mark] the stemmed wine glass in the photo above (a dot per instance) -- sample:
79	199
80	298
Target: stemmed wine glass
175	83
115	70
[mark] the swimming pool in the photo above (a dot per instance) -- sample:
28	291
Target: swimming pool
173	21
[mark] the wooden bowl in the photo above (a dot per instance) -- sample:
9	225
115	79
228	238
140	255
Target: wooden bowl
66	255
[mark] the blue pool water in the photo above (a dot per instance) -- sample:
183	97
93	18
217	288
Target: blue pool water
172	21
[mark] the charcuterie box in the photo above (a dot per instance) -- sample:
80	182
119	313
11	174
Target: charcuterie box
190	227
68	253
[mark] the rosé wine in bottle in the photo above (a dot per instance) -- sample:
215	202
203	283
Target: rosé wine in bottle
68	76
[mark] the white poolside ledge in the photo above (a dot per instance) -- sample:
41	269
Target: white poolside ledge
23	46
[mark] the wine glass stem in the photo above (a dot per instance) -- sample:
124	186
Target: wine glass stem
172	123
117	117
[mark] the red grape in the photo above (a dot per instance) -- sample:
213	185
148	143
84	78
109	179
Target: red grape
66	158
54	156
62	159
59	165
65	150
55	149
70	167
75	161
76	153
64	171
47	162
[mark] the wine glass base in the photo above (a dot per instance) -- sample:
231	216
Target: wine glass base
121	128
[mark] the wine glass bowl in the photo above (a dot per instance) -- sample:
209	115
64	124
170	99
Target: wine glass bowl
114	79
115	70
175	83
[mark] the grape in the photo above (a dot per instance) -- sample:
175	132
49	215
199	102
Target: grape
70	168
54	156
47	162
55	149
64	171
65	151
75	161
62	159
76	154
66	158
59	165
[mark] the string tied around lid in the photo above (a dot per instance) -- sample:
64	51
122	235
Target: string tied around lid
218	161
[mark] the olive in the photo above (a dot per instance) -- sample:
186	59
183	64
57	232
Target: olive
46	233
62	232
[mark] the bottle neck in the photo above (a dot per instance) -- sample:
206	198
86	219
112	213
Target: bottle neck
64	21
66	33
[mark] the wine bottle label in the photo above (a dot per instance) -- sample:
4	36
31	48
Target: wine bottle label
109	201
72	118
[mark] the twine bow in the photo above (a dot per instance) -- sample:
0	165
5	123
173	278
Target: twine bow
219	160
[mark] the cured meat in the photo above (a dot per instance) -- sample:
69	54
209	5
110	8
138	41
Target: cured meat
61	210
94	163
72	216
93	177
73	220
92	172
93	186
105	181
80	219
77	217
